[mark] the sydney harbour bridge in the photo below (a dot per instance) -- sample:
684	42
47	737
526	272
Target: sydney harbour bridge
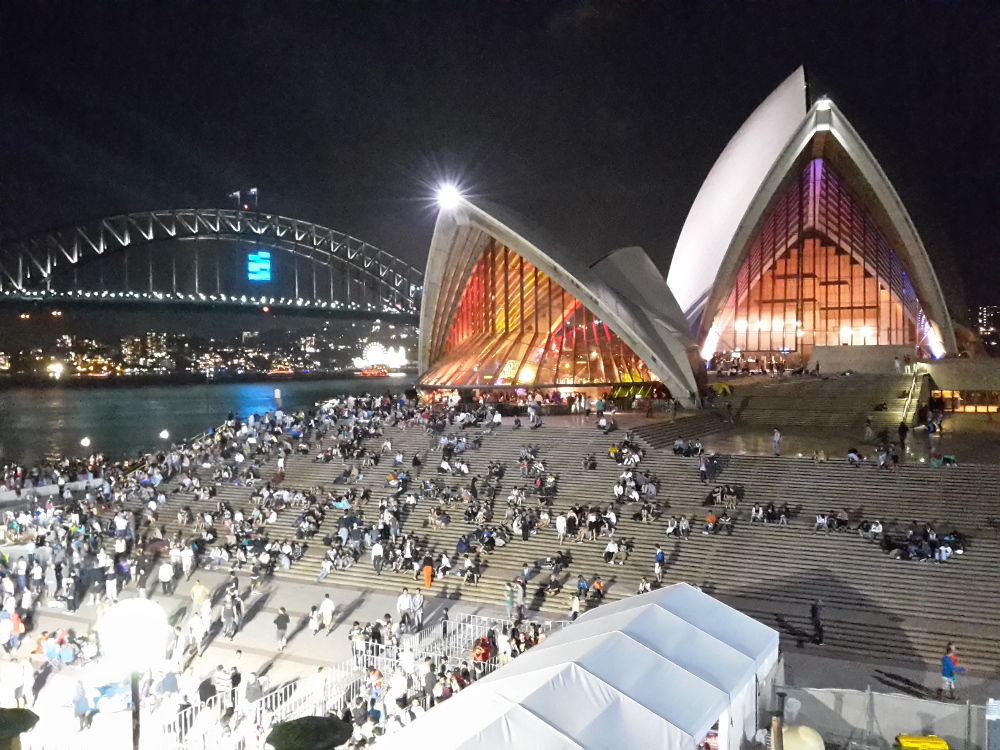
209	258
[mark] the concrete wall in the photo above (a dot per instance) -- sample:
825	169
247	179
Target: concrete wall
863	359
965	374
49	489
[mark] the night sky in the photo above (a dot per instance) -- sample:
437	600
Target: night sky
598	120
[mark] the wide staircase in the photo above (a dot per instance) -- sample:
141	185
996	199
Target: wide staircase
835	402
872	606
687	425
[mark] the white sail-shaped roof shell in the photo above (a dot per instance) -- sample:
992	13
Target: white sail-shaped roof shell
625	289
722	221
718	210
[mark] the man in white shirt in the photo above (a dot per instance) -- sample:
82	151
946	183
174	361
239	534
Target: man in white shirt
326	610
404	608
378	558
165	575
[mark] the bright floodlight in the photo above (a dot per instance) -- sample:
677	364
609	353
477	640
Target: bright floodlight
85	442
449	197
133	635
164	435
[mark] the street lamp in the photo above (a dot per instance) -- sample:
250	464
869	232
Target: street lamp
164	435
133	635
85	442
449	197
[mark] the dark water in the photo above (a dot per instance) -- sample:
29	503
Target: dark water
35	423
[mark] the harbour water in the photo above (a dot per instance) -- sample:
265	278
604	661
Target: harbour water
35	423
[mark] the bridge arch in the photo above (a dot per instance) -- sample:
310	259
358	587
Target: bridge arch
366	277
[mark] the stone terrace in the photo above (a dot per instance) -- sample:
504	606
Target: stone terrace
873	607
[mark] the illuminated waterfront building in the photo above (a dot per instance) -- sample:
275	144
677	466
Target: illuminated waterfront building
797	239
504	307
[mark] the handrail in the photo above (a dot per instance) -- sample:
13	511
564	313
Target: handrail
917	373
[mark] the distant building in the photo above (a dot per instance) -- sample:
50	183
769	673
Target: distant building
132	351
989	325
989	319
156	345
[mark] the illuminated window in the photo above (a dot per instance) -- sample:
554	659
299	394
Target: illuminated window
821	261
516	327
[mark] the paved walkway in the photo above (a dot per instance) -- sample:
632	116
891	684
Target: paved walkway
254	648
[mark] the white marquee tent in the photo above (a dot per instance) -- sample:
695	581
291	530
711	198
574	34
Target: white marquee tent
657	670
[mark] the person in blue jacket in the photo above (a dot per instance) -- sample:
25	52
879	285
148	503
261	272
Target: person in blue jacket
950	670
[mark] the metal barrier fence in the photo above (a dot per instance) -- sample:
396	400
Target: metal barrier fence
196	721
219	724
465	630
866	719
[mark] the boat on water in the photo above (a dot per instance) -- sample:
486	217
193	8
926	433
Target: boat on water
376	371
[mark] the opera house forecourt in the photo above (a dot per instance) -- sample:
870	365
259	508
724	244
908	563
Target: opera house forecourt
796	240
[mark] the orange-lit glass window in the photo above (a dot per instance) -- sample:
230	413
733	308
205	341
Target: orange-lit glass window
516	327
819	273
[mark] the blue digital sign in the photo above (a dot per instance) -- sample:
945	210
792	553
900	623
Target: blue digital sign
259	266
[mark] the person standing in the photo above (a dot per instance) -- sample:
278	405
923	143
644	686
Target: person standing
254	689
574	606
509	593
165	575
658	565
281	622
37	576
950	670
187	561
326	610
72	592
51	581
28	686
404	609
377	557
777	442
417	607
703	468
222	680
228	618
816	616
199	593
428	571
315	621
444	625
111	583
520	597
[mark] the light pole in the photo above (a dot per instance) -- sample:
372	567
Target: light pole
164	435
134	635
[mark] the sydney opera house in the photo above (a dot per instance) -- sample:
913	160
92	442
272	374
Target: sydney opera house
796	240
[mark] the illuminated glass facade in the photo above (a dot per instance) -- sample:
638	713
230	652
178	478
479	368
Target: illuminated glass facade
516	327
818	272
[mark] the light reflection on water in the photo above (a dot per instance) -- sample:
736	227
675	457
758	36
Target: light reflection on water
35	423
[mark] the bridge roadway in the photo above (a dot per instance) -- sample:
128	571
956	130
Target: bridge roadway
873	608
46	302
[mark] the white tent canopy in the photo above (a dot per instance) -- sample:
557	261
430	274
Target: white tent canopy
657	670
